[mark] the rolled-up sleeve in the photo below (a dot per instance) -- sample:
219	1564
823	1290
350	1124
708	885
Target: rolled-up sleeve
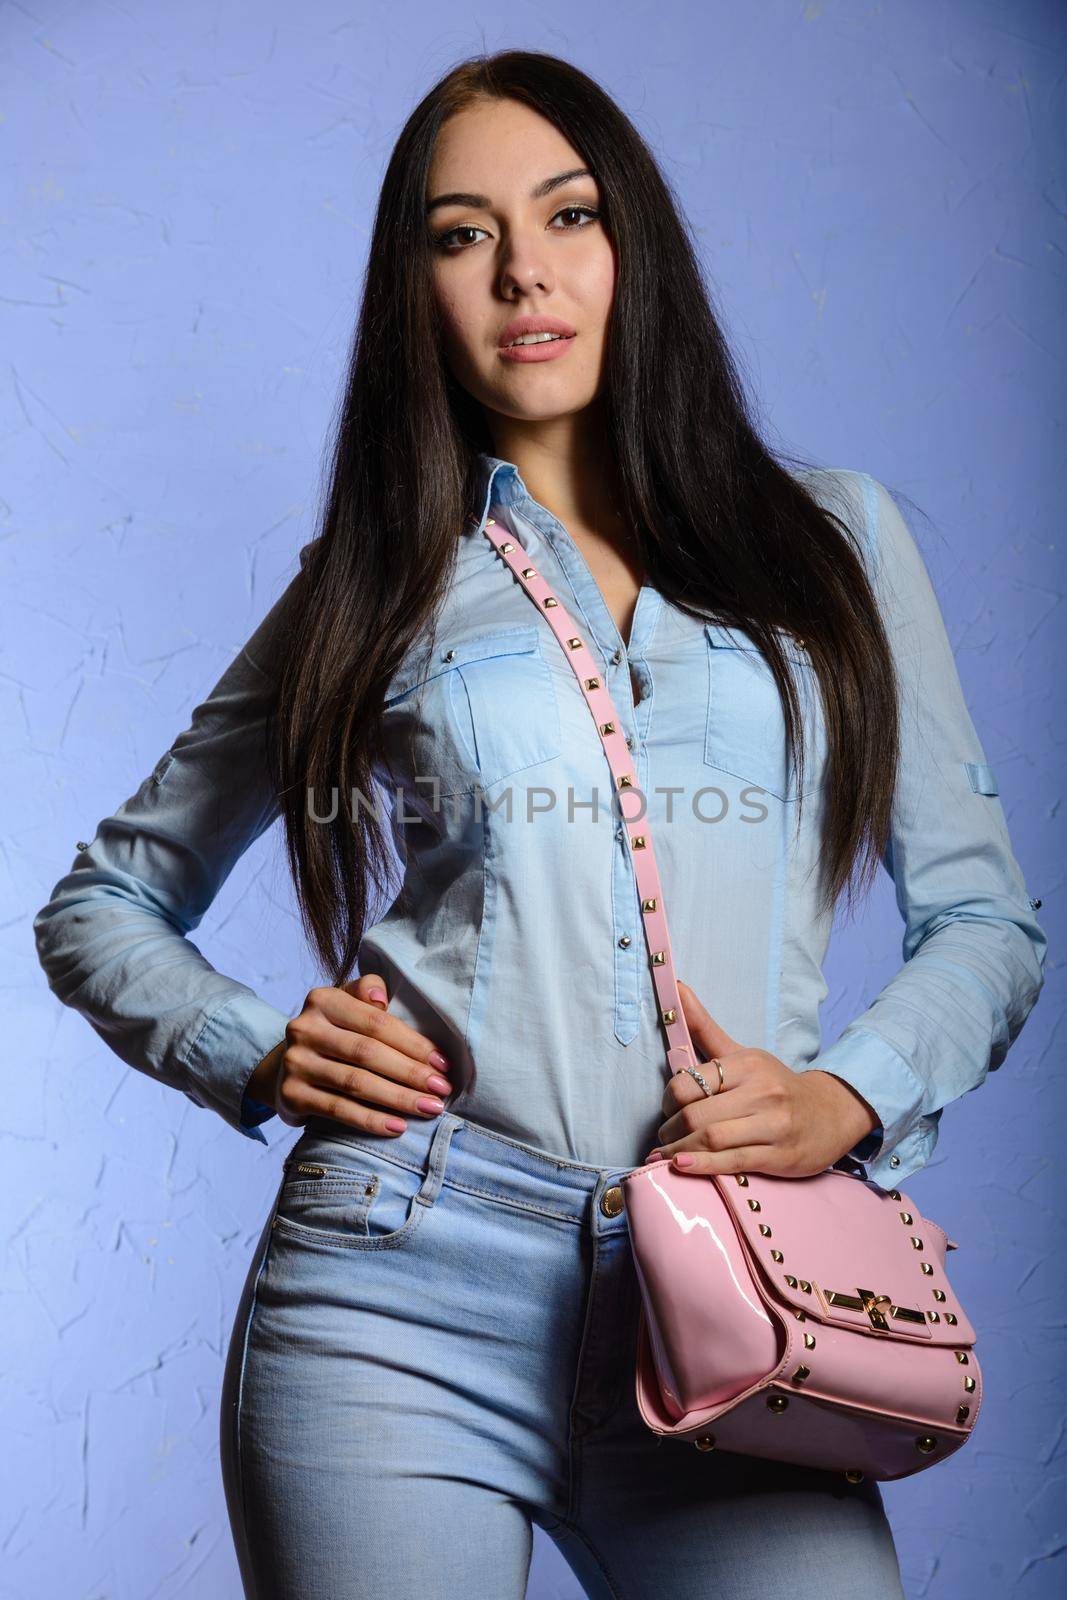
113	936
973	950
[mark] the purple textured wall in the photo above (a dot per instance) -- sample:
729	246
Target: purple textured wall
187	193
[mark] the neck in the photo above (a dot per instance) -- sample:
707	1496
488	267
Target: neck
567	465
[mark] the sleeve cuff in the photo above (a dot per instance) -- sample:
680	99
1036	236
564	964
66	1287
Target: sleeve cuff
903	1139
225	1053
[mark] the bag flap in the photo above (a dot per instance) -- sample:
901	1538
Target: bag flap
847	1252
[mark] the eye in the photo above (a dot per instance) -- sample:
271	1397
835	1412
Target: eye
584	211
441	239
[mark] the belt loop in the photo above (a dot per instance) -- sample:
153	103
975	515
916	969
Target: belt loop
437	1159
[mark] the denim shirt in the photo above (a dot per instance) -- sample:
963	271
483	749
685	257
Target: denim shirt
515	940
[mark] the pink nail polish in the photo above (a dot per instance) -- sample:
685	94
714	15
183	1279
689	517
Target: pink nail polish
438	1060
378	994
683	1160
657	1155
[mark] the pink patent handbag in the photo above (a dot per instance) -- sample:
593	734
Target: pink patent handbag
807	1320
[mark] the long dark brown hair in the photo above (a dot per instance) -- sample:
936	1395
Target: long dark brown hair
724	530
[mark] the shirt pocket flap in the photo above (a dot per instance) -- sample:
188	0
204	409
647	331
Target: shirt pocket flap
983	779
722	637
447	653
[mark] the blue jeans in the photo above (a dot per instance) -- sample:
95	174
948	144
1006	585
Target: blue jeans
434	1350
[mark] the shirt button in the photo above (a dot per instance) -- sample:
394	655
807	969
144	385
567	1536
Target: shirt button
630	745
624	942
617	656
894	1161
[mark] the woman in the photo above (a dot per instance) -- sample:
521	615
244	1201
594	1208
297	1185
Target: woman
435	1345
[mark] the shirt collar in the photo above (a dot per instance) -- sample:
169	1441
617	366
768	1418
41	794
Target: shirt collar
498	482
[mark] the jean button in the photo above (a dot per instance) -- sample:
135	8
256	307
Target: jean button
611	1201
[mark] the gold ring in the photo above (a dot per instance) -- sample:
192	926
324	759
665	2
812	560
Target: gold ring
722	1080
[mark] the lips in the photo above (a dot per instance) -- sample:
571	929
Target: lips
519	326
541	350
536	338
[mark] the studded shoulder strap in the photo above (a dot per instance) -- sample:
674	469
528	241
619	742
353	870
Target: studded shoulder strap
680	1050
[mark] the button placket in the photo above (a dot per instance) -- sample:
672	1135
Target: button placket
625	913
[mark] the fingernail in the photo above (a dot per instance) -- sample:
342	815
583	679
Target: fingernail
395	1125
438	1060
378	994
684	1160
440	1084
657	1155
426	1102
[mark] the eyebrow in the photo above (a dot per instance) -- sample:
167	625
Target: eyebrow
482	202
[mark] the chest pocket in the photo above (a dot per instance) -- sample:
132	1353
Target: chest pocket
745	728
481	709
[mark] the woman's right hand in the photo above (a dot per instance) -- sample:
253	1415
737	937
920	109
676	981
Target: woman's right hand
345	1057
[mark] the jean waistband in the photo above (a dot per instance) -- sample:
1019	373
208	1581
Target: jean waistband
485	1162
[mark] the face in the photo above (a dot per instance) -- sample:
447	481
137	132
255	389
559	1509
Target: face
506	251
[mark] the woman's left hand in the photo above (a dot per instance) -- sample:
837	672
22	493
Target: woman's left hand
768	1118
